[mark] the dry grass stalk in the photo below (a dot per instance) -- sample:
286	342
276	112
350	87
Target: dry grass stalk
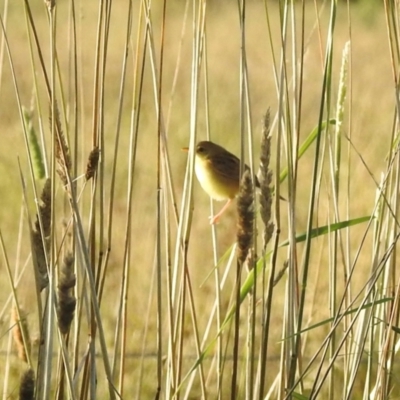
27	385
265	179
93	161
20	329
281	273
245	206
66	299
62	151
40	239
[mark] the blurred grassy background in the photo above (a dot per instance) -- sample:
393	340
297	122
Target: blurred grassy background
371	97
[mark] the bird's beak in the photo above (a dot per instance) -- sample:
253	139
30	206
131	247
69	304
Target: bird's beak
185	149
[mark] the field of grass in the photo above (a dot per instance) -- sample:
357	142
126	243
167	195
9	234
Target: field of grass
153	289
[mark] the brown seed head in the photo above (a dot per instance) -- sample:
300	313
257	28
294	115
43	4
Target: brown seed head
93	161
66	299
245	206
27	385
266	180
40	237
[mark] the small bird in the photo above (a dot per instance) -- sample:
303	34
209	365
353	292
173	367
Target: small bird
218	172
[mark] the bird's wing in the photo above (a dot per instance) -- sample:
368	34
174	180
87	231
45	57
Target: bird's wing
226	165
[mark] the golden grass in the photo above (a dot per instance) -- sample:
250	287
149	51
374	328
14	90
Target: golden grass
372	107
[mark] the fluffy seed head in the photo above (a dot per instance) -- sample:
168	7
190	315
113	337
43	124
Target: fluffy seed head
27	385
66	299
266	180
92	163
40	236
245	206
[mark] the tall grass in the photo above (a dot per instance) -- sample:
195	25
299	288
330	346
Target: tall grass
117	286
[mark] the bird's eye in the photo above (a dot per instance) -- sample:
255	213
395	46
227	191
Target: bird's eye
200	149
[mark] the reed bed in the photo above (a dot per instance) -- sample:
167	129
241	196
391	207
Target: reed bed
116	285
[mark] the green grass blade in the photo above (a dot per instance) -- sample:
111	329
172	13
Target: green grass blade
306	144
348	312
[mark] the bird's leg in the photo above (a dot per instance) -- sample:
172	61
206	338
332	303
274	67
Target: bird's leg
215	218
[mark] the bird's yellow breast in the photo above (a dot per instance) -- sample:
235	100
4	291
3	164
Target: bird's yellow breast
213	183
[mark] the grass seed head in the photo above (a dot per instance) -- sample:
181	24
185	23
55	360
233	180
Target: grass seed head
266	180
40	236
66	299
245	206
27	385
34	146
93	161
